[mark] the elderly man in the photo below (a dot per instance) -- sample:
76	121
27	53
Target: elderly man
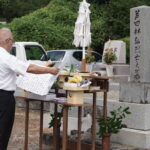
9	67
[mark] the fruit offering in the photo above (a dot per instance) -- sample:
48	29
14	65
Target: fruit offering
75	79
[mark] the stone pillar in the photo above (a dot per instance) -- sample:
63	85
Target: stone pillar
140	44
136	92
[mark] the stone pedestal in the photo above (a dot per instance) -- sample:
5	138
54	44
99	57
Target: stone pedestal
139	119
137	132
133	92
137	138
136	96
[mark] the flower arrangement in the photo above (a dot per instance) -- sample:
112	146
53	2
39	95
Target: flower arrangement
110	54
89	57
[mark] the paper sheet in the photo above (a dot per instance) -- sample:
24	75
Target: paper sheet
38	83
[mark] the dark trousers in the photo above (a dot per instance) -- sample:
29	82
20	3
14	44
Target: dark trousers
7	113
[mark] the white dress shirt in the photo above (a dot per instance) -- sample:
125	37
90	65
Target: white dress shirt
9	67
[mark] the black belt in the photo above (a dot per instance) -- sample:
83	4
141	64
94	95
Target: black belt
4	91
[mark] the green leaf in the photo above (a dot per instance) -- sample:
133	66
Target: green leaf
113	123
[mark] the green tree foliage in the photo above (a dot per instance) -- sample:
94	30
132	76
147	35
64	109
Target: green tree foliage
114	122
16	8
113	20
53	25
98	1
116	16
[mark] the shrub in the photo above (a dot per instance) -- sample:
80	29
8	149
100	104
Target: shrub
114	122
52	26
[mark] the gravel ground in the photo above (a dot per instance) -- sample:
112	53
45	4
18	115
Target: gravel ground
17	137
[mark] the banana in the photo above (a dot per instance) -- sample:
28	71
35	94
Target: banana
78	77
75	79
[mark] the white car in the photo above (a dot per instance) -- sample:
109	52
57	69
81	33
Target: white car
29	51
73	56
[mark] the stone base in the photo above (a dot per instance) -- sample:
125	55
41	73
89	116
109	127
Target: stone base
120	78
120	71
139	117
133	92
137	138
137	132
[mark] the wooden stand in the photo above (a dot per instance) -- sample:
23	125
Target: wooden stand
97	81
83	65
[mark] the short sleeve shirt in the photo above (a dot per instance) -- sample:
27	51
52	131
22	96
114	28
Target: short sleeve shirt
10	66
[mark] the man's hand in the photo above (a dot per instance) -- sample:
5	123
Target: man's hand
49	64
54	70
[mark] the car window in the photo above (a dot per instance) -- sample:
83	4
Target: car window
33	52
55	55
78	55
97	57
13	51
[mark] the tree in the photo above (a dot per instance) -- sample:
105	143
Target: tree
16	8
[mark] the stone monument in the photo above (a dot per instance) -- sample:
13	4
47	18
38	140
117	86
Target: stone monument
136	92
120	69
120	49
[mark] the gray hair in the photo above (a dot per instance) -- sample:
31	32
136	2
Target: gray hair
5	29
5	33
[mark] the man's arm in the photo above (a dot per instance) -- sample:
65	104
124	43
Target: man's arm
40	70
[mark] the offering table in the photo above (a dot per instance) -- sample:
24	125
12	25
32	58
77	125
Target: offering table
102	82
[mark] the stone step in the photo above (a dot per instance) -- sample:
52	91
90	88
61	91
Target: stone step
121	69
114	86
118	69
120	78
